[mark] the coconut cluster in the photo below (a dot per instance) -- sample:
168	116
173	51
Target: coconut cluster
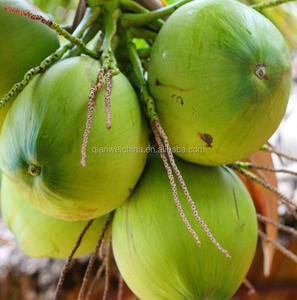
219	73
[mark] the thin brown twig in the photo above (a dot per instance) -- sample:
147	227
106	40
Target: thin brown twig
285	228
271	149
120	288
278	246
173	185
185	189
92	261
95	280
69	260
266	185
249	286
107	270
271	169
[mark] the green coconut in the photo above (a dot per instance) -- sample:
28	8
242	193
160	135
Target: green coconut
23	44
42	138
40	235
220	73
156	255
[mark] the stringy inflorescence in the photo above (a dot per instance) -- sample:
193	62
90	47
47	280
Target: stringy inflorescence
92	261
160	134
28	14
91	104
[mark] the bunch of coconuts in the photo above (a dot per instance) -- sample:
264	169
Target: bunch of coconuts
219	73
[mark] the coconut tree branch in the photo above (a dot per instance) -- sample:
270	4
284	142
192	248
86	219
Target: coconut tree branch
133	20
270	3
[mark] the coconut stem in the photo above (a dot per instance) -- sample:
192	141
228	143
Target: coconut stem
270	3
60	31
120	288
137	20
278	246
92	260
266	185
91	105
69	261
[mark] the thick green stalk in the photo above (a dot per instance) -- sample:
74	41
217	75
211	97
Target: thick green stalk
88	35
270	3
144	33
133	20
139	75
133	6
73	40
110	22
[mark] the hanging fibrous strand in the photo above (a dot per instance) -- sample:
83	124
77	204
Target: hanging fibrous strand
92	260
67	265
91	104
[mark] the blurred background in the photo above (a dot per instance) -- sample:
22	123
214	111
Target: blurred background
24	278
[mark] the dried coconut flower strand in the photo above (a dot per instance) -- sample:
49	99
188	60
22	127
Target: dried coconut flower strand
60	31
285	228
186	191
108	92
266	185
91	104
278	246
92	261
173	186
69	261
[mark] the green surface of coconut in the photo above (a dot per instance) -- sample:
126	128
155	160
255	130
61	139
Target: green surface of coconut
43	133
156	255
40	235
24	44
220	73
